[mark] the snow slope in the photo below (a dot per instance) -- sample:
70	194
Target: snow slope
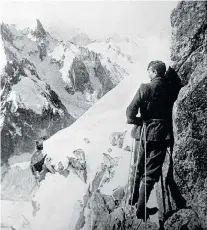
105	117
132	52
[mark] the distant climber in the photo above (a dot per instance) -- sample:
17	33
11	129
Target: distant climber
155	101
39	164
37	159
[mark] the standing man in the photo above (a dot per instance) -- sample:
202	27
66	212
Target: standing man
37	159
40	164
154	101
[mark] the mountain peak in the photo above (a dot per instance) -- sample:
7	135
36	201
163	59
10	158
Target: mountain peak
6	33
81	39
40	31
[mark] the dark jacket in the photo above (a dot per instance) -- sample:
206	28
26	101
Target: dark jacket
37	161
155	102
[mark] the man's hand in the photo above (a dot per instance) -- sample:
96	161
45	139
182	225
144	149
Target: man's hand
136	121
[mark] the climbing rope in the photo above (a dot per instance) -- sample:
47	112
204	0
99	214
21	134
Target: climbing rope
163	193
137	161
145	166
130	167
128	181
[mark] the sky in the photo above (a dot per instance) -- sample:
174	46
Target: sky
97	19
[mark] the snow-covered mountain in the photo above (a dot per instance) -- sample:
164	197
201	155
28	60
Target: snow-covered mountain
47	84
124	51
81	39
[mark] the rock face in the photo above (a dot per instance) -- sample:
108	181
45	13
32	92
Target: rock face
183	219
189	53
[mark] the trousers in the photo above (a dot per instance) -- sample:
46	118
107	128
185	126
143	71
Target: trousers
155	156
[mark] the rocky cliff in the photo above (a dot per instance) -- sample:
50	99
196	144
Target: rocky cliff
189	54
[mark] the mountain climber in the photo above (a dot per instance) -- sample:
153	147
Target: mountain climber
37	159
40	164
155	101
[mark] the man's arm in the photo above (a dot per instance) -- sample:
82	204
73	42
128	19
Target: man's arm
133	108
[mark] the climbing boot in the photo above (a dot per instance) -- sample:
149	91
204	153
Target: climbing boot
141	201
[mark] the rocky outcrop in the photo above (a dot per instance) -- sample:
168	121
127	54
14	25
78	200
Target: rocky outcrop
78	164
19	121
103	75
39	31
189	53
79	77
183	219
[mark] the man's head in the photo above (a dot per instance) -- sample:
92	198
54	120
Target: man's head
156	68
39	143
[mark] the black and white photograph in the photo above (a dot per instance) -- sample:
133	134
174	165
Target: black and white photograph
103	115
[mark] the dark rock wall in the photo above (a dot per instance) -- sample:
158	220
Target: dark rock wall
189	53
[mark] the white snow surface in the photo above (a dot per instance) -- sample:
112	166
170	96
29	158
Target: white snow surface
27	93
68	60
2	56
58	52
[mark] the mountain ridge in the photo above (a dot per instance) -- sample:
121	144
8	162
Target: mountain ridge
54	69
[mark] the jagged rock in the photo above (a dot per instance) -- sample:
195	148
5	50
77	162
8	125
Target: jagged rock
62	171
104	77
79	77
117	139
199	204
108	166
121	219
183	219
80	155
81	221
189	29
98	179
99	214
86	140
25	120
105	173
39	31
36	207
6	33
109	150
118	194
78	164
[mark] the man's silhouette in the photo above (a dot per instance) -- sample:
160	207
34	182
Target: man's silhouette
155	101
